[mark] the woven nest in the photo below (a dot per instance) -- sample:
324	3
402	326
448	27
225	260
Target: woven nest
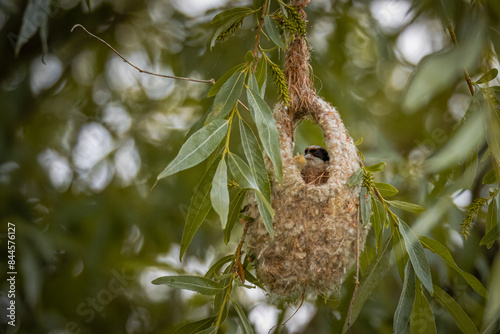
316	226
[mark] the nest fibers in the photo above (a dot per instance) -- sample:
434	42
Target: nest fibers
316	226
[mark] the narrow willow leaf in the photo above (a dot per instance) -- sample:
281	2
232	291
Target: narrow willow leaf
400	252
417	255
376	168
219	194
36	16
410	207
378	220
273	32
358	142
375	273
493	326
229	13
488	76
490	177
198	124
197	148
255	159
468	137
218	84
268	133
439	249
210	330
355	178
228	18
227	97
386	189
422	319
252	82
470	171
492	231
194	283
261	76
267	213
247	327
406	300
365	203
214	269
241	172
196	326
249	57
237	197
198	209
461	318
244	177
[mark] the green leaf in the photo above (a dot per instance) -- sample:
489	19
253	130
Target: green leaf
255	160
365	203
247	327
273	32
218	84
249	58
493	326
219	195
422	319
241	172
417	255
467	138
234	211
492	232
196	326
199	208
376	168
228	18
226	15
214	269
261	76
355	178
375	273
35	17
210	330
194	283
439	249
197	148
488	76
378	220
358	142
400	252
406	300
227	97
410	207
490	177
385	189
244	177
438	72
268	133
252	82
470	171
461	318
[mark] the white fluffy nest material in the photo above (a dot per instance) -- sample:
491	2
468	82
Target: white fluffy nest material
315	226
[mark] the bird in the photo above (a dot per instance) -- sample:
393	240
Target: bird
313	165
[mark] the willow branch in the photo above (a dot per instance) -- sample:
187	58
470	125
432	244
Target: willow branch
259	31
210	81
453	36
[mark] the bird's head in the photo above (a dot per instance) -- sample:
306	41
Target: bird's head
316	155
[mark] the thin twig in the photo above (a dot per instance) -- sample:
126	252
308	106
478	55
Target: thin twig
210	81
294	313
453	36
357	274
259	30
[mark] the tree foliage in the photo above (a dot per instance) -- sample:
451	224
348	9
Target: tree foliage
85	138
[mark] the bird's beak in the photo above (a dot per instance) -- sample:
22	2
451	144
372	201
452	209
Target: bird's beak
308	156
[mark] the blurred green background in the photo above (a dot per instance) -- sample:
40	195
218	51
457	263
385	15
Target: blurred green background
83	136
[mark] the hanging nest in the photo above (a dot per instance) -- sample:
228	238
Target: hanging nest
317	227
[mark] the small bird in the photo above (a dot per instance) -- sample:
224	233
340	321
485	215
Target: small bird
313	169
